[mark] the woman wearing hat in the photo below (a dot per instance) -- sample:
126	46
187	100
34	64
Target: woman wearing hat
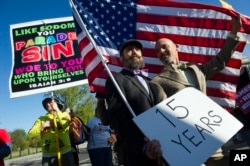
53	127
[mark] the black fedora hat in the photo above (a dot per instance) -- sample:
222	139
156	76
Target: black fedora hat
130	42
47	100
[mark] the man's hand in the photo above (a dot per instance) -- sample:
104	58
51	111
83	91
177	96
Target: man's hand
112	139
153	150
236	24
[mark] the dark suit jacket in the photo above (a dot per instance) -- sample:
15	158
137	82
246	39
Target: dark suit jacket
120	118
172	81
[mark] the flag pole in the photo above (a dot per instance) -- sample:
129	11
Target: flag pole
82	25
56	134
48	50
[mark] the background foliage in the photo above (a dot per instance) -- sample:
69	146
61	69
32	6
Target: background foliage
79	99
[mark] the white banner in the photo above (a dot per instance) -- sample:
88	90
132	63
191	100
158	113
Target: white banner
190	127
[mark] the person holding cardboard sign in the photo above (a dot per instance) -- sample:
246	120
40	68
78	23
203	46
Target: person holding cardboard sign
175	76
141	94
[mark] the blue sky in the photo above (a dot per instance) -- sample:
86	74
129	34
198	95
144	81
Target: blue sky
20	113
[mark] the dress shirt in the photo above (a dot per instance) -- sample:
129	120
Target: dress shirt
139	74
187	74
142	81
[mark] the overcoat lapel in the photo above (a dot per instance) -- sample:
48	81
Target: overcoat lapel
137	83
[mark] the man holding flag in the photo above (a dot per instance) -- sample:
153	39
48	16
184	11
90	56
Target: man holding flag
141	94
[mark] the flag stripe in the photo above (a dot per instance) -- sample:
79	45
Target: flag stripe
191	41
191	22
221	93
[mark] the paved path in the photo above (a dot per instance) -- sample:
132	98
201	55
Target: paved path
35	159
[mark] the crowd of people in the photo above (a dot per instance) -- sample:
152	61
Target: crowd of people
112	124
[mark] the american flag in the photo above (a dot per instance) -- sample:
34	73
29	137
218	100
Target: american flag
199	30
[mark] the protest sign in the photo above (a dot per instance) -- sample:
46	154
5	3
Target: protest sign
189	125
45	57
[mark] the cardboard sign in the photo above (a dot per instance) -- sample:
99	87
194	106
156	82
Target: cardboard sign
190	127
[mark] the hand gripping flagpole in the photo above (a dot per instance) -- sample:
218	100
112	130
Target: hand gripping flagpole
82	25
